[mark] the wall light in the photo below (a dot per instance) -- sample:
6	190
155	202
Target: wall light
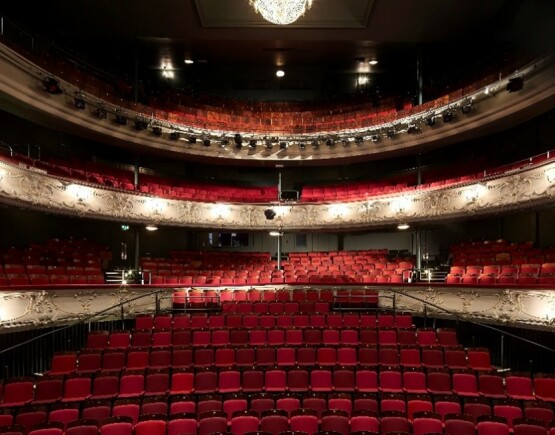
549	174
474	192
275	233
151	228
221	210
403	226
401	205
81	193
155	205
280	73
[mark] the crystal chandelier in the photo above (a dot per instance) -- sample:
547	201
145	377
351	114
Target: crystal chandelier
281	12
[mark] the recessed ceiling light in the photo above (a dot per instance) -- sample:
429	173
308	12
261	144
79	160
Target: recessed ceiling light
189	61
373	62
403	226
151	227
280	73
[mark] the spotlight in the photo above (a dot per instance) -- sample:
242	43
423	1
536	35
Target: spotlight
412	128
515	84
430	121
447	116
374	138
359	140
174	135
330	142
141	124
121	120
283	145
466	108
157	131
391	133
52	86
192	139
302	145
238	141
252	143
270	214
206	142
79	103
315	144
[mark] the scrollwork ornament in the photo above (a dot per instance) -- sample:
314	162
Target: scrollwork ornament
42	308
513	189
35	189
308	215
467	297
369	211
508	303
249	215
119	204
85	299
437	203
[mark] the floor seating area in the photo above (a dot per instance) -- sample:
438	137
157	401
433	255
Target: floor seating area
240	268
55	262
247	372
501	262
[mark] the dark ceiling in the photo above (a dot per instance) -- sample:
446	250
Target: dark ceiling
236	52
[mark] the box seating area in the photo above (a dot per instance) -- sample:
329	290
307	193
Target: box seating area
244	268
501	262
334	373
57	261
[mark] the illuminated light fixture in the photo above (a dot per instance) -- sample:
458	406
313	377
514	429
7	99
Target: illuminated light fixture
359	140
124	227
206	142
430	121
391	133
157	131
238	141
52	86
474	192
374	138
141	124
403	226
280	73
192	139
221	210
81	193
283	145
281	12
252	143
167	73
151	228
275	233
174	135
101	113
412	128
189	61
447	116
373	62
515	84
270	214
466	108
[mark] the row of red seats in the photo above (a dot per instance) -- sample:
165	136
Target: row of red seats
282	319
24	279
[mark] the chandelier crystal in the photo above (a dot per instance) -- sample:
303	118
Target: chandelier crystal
281	12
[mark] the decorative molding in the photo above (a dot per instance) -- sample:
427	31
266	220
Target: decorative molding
532	186
530	308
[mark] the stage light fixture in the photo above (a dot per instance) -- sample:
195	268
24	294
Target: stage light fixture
430	121
79	103
252	143
269	144
447	116
344	142
192	140
270	214
121	120
302	145
141	124
224	142
374	138
283	145
359	140
206	142
157	131
412	128
315	144
466	108
330	142
515	84
101	113
175	135
391	133
52	86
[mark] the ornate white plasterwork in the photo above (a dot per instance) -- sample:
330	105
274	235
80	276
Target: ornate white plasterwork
45	308
24	187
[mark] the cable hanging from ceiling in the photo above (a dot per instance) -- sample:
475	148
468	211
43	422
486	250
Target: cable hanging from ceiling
281	12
